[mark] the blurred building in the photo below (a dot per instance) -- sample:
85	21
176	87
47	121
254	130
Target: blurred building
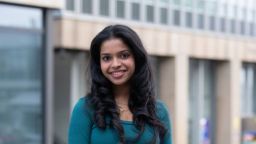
203	54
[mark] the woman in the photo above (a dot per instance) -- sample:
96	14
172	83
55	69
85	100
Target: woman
121	107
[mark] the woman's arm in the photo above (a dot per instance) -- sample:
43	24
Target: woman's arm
80	124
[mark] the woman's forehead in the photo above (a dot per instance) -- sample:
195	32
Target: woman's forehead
113	45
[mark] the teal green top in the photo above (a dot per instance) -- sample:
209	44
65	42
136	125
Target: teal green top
83	130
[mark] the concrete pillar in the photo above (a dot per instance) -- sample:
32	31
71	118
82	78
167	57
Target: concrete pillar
174	92
228	102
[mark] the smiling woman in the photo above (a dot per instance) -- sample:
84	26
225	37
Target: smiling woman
121	107
117	62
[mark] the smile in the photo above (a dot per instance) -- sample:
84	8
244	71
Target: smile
117	74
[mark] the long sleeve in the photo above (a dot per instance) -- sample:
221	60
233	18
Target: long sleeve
165	119
80	124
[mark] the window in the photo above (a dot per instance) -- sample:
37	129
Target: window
241	13
242	27
232	26
70	5
163	15
252	29
200	21
150	13
135	11
222	10
87	6
189	19
248	93
120	9
176	17
188	4
202	102
231	11
104	7
212	23
200	5
211	7
176	2
21	62
164	1
250	16
222	24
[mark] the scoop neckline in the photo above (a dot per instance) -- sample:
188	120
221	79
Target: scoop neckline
126	121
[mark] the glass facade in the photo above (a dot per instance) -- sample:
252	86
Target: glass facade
248	93
201	102
231	17
87	6
120	9
135	8
104	7
21	43
150	13
70	5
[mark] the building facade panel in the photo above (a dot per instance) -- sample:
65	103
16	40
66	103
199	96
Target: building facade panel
40	3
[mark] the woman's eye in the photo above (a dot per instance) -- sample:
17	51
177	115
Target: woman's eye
125	55
106	58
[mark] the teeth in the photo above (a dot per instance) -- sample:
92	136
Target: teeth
117	74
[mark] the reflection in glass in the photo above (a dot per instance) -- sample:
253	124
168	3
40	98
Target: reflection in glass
20	87
21	117
16	16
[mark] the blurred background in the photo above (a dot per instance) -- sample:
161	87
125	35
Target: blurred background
203	54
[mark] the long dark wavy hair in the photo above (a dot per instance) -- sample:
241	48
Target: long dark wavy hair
141	102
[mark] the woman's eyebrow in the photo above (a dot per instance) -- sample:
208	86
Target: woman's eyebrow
124	51
105	53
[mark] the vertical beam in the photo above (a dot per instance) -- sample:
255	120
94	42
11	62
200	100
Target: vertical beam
174	92
235	82
48	75
228	102
180	118
166	83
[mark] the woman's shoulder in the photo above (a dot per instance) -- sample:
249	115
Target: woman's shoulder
83	106
161	109
82	103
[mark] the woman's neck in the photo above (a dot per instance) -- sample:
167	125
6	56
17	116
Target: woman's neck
122	94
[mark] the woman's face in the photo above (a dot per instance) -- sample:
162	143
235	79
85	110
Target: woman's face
116	61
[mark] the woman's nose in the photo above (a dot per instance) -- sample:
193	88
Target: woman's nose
116	63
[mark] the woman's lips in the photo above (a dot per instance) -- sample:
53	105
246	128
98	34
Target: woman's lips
117	74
